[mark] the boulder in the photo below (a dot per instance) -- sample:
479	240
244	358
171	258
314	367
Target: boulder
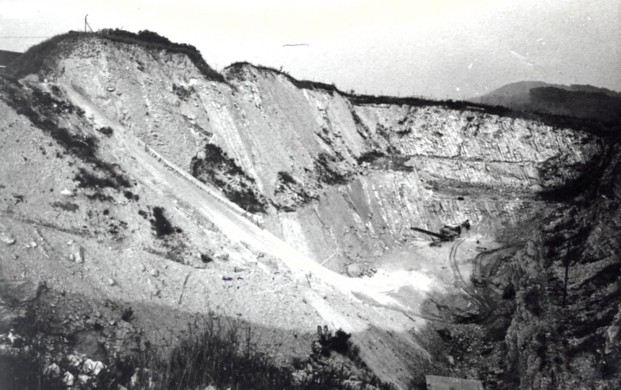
7	238
354	270
67	192
52	370
69	379
92	367
79	255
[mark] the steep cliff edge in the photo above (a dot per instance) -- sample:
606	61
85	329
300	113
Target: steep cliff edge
342	180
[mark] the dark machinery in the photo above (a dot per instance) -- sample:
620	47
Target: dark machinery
447	232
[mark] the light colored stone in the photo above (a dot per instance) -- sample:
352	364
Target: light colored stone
52	370
7	238
92	367
612	333
67	192
79	255
69	379
74	360
354	270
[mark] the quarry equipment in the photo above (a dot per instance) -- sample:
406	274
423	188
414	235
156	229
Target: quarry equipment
447	232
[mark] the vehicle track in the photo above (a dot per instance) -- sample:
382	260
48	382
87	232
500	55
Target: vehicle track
483	302
478	260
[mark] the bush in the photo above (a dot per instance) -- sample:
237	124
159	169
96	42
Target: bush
285	178
214	352
106	130
223	355
219	169
337	342
160	223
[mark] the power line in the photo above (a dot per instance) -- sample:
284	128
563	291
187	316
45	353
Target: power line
22	37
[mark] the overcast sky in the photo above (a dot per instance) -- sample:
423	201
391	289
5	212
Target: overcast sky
436	48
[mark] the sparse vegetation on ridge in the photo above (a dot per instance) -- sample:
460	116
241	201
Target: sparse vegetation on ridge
37	57
612	129
235	70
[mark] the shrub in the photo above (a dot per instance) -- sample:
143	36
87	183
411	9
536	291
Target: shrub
182	92
327	170
106	130
285	178
128	314
337	342
370	157
219	169
223	355
160	223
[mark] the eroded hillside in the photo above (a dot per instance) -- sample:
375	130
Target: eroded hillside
289	204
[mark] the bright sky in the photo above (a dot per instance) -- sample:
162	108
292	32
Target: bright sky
436	48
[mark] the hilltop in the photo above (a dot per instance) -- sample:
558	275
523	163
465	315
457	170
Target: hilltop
6	57
579	101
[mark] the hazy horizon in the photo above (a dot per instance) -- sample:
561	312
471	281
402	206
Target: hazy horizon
439	49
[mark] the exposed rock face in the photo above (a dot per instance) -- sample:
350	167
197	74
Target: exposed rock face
14	295
379	168
565	329
343	180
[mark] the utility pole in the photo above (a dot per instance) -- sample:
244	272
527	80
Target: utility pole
86	25
567	260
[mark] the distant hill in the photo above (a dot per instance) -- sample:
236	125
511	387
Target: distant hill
7	57
582	101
